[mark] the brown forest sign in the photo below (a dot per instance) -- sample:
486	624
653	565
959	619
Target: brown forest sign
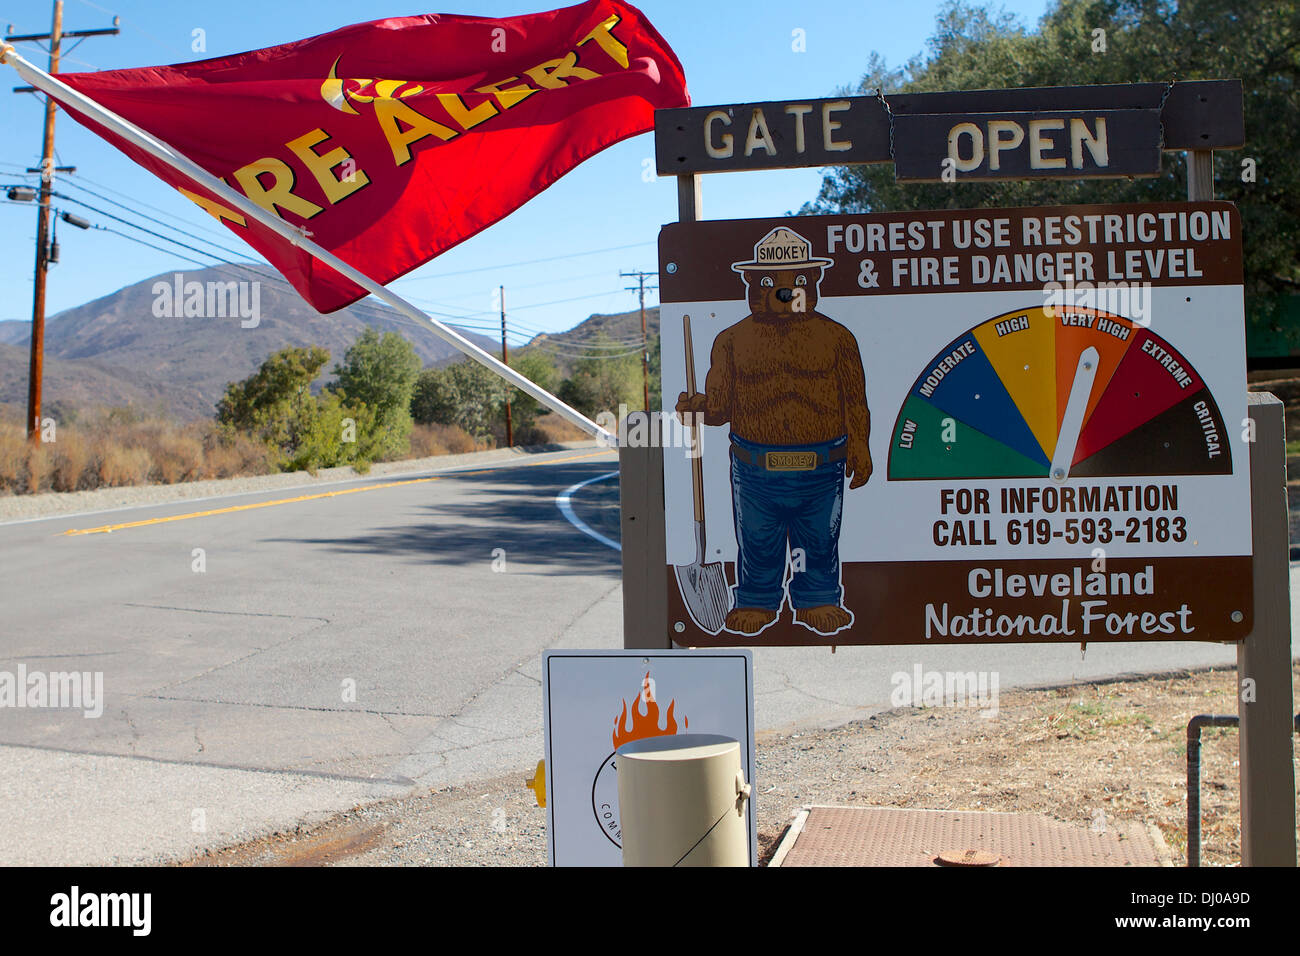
975	426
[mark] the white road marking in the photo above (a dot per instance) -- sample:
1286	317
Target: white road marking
563	502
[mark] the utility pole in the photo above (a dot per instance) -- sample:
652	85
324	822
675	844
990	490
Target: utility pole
47	170
640	290
505	360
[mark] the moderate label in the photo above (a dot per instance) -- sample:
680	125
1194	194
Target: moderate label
990	426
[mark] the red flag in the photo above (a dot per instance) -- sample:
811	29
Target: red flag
390	142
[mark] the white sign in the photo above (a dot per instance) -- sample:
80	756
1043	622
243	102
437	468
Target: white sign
596	701
958	426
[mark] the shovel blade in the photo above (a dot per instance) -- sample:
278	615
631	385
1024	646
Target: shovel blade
704	592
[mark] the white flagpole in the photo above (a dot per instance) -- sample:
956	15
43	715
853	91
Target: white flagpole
160	150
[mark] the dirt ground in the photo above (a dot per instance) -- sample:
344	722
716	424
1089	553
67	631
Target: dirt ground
1081	754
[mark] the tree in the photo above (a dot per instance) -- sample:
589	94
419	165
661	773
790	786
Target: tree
1145	40
603	379
580	392
538	369
379	373
434	398
337	435
275	403
464	394
656	375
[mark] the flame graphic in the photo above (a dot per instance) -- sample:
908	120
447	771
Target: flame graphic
336	93
645	723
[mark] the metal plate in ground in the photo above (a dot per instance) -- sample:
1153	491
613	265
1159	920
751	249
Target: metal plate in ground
887	836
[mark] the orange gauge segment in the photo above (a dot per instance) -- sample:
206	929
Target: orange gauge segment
1078	329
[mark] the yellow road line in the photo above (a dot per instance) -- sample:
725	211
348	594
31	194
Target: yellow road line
104	529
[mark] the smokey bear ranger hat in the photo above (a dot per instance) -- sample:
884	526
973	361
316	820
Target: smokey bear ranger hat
782	248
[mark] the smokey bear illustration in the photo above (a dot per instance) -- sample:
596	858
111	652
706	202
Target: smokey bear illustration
789	382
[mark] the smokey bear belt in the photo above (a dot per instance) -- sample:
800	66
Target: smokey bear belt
788	460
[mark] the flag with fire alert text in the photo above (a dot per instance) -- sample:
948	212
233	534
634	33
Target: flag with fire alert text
389	142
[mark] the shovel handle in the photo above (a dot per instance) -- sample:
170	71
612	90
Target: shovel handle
697	465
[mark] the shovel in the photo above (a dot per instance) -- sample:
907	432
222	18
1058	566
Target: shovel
703	586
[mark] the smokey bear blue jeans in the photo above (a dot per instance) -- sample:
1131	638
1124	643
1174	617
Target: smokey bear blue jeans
777	512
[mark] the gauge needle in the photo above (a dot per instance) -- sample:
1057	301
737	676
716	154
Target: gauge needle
1075	406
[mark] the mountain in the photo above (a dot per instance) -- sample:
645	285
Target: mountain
13	331
81	384
116	350
565	348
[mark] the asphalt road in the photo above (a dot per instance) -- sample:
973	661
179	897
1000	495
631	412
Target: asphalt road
326	649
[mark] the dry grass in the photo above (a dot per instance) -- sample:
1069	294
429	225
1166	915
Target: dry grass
112	449
117	447
71	462
229	456
429	440
546	429
40	466
551	428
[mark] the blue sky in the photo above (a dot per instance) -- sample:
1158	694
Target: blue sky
737	51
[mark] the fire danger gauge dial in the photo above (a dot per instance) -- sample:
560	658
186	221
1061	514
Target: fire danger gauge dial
1077	393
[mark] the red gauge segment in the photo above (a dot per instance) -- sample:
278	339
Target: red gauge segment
1150	379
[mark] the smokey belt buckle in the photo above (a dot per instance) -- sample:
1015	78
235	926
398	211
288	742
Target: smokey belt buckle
790	460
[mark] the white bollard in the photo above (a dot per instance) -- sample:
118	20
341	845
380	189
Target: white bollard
681	801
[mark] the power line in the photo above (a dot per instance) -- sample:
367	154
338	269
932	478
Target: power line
533	285
532	305
457	318
170	252
165	225
429	306
526	330
529	262
583	355
133	225
122	22
362	306
576	298
520	340
611	345
214	230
